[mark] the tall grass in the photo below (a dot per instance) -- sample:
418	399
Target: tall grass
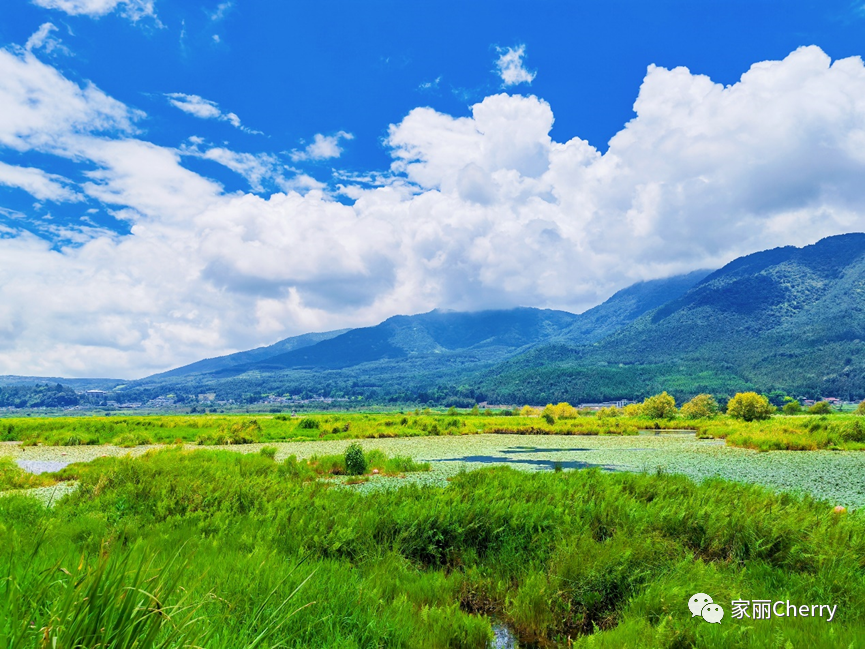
14	477
603	559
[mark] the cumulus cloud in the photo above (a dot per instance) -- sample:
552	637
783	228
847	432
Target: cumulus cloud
322	147
481	211
132	9
205	109
511	68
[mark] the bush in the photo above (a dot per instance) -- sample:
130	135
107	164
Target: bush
792	407
355	460
820	408
612	411
549	418
308	423
632	410
702	406
660	406
528	411
562	410
860	410
268	451
750	406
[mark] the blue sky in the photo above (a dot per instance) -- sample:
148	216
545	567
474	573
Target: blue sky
183	179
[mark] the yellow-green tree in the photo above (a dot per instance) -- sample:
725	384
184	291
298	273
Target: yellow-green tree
612	411
750	406
820	408
792	406
562	410
633	410
659	406
702	406
860	410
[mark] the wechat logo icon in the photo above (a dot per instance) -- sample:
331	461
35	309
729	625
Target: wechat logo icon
702	605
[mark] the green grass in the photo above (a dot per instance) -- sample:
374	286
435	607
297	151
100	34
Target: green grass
230	544
802	432
14	477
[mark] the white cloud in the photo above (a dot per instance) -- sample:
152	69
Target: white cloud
42	109
259	169
42	39
221	11
205	109
133	9
480	211
39	184
511	68
431	85
322	147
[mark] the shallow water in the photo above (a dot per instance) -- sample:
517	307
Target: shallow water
42	466
835	476
503	638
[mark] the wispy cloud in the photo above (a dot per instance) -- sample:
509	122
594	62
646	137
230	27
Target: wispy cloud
206	109
511	68
322	147
38	183
430	85
221	11
42	39
135	10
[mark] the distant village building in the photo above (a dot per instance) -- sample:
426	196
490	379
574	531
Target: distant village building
606	404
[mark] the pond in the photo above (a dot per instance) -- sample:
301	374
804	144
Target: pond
835	476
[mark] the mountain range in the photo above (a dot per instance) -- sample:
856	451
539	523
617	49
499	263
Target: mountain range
789	319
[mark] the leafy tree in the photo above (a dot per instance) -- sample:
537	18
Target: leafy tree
750	406
528	411
792	407
612	411
561	410
632	410
702	406
820	408
860	410
659	406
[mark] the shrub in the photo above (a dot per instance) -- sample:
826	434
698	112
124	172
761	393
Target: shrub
820	408
612	411
702	406
792	407
355	460
528	411
268	451
549	418
562	410
632	410
659	406
750	406
308	423
860	410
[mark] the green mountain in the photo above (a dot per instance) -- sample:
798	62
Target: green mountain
432	356
790	319
224	363
485	334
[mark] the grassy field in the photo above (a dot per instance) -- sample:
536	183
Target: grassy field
800	432
220	549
